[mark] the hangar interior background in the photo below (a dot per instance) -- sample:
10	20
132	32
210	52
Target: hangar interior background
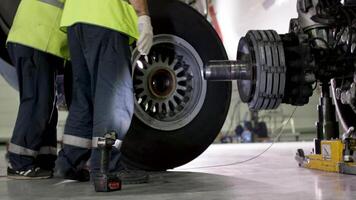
223	171
234	18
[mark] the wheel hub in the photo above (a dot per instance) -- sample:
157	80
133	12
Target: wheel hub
169	85
162	82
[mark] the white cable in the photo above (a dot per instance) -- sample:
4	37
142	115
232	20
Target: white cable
254	157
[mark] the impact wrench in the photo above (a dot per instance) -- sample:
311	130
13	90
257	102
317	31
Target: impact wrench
105	181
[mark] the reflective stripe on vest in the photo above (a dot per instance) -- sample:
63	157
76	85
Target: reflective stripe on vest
77	141
55	3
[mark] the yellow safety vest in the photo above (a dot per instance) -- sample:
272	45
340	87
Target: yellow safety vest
117	15
37	25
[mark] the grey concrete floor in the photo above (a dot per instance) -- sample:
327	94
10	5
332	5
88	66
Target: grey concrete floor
274	175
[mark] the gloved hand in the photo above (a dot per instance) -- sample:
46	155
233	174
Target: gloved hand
145	41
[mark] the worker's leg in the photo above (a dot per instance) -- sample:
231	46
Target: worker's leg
78	129
36	74
48	152
114	100
108	57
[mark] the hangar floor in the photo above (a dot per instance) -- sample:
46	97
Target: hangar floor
274	175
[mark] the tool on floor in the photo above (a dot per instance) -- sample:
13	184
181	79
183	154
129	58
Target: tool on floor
104	181
333	157
331	153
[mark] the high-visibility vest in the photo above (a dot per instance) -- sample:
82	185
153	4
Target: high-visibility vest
37	25
117	15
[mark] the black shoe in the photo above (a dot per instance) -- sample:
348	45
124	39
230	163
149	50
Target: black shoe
128	176
81	175
34	173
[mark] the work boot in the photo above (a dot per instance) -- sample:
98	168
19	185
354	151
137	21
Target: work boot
79	172
81	175
129	176
34	173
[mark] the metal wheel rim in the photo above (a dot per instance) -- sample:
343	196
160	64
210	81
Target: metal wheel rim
187	98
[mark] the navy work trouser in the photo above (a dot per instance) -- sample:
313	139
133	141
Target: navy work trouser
34	139
102	95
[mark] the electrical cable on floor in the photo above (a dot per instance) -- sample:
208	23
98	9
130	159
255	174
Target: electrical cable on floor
254	157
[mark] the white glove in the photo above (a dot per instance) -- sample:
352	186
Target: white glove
145	41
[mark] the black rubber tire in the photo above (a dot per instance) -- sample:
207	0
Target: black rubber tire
7	12
3	52
151	149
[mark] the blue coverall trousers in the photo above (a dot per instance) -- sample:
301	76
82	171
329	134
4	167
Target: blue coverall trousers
34	139
102	98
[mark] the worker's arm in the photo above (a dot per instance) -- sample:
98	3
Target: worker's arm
140	7
145	41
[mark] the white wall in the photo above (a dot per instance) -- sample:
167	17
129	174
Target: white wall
9	102
235	18
8	108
